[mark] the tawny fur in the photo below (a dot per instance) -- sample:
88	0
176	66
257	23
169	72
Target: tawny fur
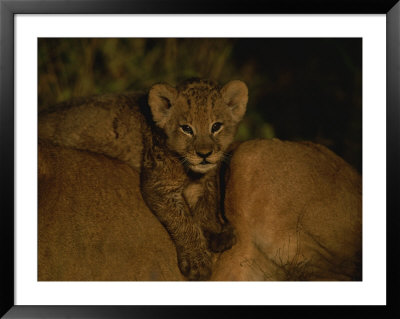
296	209
178	165
93	224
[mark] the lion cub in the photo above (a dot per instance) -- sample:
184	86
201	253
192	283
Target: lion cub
176	138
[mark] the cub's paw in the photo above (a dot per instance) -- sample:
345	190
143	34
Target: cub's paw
195	264
219	242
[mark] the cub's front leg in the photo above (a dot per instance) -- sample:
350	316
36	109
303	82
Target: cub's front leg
167	203
219	234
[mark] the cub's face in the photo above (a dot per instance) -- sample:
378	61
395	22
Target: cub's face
199	118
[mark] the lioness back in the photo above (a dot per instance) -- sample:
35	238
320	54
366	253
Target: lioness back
109	124
299	210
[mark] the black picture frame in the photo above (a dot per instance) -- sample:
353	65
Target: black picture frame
9	8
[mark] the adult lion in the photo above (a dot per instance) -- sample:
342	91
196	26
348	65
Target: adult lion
296	208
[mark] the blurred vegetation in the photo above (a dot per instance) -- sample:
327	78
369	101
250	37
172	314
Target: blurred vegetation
299	89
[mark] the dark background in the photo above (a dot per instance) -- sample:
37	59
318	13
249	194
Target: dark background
299	89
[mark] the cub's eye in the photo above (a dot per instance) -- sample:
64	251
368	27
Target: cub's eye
216	127
187	129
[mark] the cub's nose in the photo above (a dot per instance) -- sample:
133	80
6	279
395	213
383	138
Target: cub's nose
203	154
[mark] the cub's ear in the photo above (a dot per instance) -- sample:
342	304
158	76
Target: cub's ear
161	97
235	94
